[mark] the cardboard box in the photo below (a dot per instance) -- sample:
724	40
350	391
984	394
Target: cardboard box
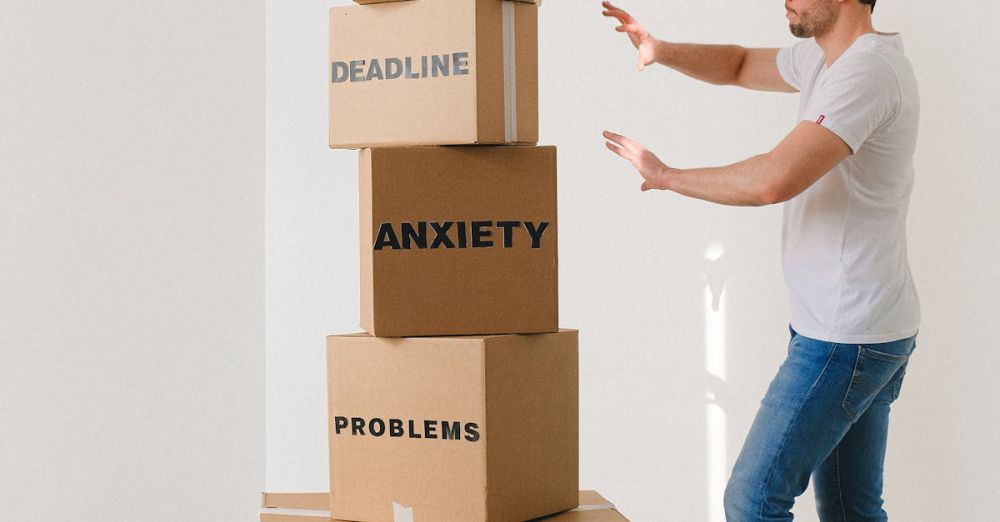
295	507
453	429
433	72
305	501
458	241
593	508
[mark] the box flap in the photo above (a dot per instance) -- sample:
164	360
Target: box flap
294	507
592	498
593	508
306	501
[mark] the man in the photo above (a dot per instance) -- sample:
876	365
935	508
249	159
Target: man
844	175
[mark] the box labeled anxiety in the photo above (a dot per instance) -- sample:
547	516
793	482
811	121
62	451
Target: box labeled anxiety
433	72
456	429
458	240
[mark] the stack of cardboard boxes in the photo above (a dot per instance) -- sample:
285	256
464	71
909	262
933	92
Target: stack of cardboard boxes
460	402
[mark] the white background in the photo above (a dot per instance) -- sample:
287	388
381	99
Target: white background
633	268
131	270
133	205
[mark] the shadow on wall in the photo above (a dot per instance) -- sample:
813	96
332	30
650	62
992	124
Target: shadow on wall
716	459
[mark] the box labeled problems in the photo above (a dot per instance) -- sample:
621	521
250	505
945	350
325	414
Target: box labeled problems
458	240
433	72
453	429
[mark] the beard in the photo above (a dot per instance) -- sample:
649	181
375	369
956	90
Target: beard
815	22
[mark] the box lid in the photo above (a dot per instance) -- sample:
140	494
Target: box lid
593	507
314	501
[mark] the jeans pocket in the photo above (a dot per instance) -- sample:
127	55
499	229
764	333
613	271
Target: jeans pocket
873	370
897	384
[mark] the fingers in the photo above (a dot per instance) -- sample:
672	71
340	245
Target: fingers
612	7
618	150
611	10
623	152
632	146
636	154
622	17
610	136
617	139
646	185
629	28
615	145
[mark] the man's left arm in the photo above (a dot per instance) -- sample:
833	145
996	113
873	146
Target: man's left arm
807	153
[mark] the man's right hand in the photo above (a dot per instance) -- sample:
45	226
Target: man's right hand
640	37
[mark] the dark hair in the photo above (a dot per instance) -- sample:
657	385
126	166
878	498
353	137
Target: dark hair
869	2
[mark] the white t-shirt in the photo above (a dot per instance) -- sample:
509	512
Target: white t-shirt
844	238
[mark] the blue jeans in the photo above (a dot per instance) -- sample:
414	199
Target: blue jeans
825	415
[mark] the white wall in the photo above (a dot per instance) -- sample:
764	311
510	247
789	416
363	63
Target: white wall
131	277
633	266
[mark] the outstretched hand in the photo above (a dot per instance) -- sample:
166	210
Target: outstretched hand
653	171
640	37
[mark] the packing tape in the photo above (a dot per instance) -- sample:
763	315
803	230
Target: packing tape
594	507
401	513
509	73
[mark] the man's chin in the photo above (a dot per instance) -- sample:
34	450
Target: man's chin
798	31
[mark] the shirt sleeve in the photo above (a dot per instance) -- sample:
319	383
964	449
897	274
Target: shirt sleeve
858	94
790	63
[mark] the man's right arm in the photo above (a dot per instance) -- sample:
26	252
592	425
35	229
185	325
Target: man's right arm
755	69
718	64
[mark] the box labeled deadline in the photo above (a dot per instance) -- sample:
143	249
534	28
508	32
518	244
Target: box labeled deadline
433	72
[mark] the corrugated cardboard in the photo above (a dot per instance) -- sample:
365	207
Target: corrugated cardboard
593	508
295	500
472	75
420	286
457	429
295	515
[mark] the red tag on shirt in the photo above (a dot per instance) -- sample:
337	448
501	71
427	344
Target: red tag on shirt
821	118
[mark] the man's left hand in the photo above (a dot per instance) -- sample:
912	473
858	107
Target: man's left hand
653	171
